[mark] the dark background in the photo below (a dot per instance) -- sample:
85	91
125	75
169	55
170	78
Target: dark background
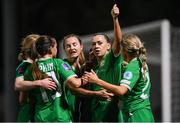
61	17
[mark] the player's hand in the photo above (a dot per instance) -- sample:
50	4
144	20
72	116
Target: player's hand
48	84
104	95
90	77
115	11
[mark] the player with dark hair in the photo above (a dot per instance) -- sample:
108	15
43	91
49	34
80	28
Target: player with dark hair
50	105
21	85
108	69
80	102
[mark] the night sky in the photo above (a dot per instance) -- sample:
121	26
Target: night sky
61	17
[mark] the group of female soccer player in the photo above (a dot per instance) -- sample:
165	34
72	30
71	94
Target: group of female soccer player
79	90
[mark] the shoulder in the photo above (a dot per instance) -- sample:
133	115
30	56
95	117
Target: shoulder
62	64
112	59
24	64
22	67
135	63
58	60
132	67
113	56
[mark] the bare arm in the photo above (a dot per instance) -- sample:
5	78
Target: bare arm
117	30
22	85
93	78
103	94
74	82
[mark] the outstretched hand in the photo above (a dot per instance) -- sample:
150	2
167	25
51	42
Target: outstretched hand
115	11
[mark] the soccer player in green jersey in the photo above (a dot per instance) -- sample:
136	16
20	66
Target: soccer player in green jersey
80	102
135	84
75	57
50	105
108	69
24	114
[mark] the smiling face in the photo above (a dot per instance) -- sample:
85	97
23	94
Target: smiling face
72	47
100	46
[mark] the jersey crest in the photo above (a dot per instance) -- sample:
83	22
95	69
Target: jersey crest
22	69
128	75
66	67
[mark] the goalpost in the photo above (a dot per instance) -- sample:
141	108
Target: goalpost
166	71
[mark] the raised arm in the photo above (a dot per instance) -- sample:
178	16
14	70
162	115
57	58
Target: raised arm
117	30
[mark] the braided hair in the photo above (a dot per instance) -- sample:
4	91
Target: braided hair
135	48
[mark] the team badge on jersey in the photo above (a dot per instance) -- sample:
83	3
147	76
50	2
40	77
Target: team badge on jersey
128	75
66	67
21	70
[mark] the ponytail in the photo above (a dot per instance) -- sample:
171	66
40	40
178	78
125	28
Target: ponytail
143	58
37	73
40	48
135	48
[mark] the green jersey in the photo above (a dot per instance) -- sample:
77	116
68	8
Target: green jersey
79	105
109	70
51	106
24	111
139	87
71	98
20	70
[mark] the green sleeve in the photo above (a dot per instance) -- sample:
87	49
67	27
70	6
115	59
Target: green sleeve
130	76
65	71
116	59
28	74
20	70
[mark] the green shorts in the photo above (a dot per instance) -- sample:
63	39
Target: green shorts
52	113
105	111
140	115
24	113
